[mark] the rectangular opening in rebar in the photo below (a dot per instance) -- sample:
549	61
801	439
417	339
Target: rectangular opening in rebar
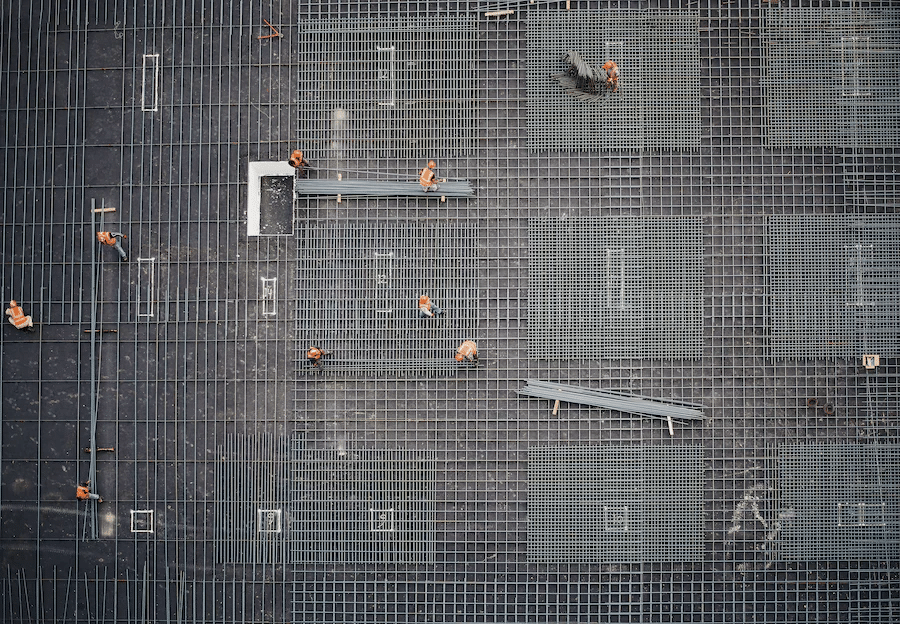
267	295
387	75
383	263
861	514
146	287
615	279
150	83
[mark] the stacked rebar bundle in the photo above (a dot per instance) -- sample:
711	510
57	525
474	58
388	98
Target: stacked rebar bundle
580	80
379	188
611	400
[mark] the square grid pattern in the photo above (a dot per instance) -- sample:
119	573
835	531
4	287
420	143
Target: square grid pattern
615	287
838	500
389	87
831	75
359	284
615	504
835	284
362	507
658	102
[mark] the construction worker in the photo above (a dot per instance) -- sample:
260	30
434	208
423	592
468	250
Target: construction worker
83	492
612	75
17	317
315	354
427	177
297	161
112	239
467	351
427	307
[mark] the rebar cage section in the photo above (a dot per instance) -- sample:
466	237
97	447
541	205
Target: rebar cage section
835	285
830	77
658	101
615	287
362	507
615	504
838	501
359	284
389	87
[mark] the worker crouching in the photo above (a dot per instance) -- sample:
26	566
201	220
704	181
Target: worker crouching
427	177
83	492
467	352
612	75
297	161
428	308
315	354
112	239
17	317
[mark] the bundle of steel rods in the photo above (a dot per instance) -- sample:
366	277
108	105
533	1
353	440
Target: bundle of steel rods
379	188
611	400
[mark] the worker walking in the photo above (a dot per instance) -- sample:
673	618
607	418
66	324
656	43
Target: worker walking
17	317
297	161
83	492
315	354
112	239
612	75
427	307
427	177
467	351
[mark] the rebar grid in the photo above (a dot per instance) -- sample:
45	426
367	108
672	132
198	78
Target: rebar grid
169	392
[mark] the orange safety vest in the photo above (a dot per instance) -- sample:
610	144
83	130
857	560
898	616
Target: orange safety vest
314	353
425	304
106	238
296	159
466	351
612	73
18	318
426	177
82	493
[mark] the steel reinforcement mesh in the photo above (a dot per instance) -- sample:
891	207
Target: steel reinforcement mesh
657	104
615	504
169	391
829	76
835	284
615	287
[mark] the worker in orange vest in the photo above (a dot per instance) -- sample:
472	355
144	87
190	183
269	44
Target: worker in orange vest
17	317
467	351
426	177
427	307
112	239
297	161
315	354
83	492
612	75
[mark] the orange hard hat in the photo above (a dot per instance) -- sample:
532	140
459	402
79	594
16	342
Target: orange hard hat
432	164
12	303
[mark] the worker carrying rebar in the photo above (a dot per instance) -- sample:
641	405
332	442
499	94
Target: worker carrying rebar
467	351
427	177
112	239
612	75
83	492
427	307
17	317
297	161
315	354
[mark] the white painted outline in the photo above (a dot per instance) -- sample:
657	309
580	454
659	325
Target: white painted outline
268	302
149	520
150	285
154	83
255	171
263	513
